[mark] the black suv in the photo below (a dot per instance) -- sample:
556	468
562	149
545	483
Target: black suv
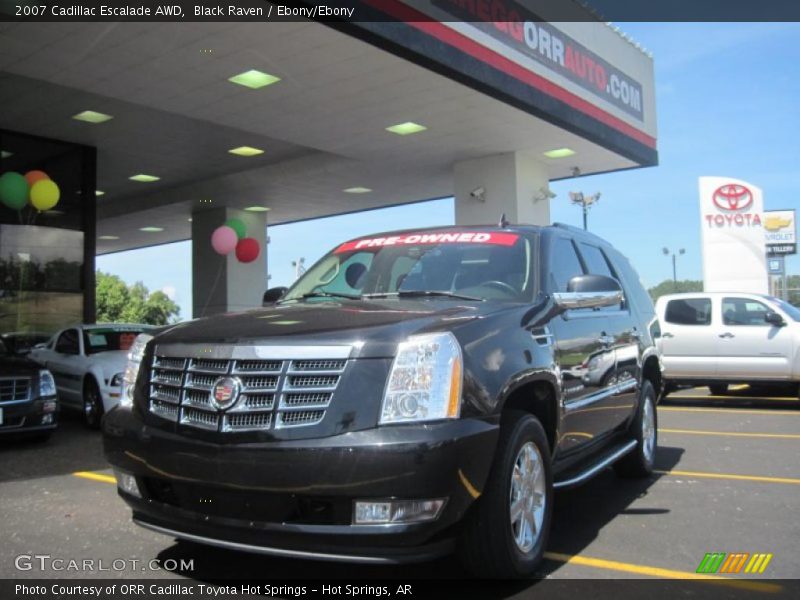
414	392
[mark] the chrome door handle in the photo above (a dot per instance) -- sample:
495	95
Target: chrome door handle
667	334
727	335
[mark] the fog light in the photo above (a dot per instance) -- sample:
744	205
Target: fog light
127	483
397	511
47	419
49	406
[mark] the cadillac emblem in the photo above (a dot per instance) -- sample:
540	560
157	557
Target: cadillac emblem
225	392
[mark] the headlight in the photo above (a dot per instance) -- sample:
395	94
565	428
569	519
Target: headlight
132	368
116	380
425	380
47	385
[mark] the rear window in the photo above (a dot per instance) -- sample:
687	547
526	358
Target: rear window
689	311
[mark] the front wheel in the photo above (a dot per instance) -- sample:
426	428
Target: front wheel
639	461
92	404
506	533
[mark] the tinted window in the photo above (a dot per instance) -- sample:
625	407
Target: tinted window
595	261
634	290
743	311
565	264
689	311
67	342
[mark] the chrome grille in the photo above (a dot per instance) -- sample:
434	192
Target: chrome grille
15	389
275	393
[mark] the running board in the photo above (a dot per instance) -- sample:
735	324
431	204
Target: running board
594	469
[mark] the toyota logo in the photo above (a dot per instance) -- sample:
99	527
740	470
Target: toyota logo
732	196
225	392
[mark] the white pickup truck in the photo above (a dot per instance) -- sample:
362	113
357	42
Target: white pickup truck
88	362
720	338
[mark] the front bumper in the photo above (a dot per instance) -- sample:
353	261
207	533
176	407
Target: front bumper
29	416
295	498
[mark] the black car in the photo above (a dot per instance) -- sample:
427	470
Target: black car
413	393
28	403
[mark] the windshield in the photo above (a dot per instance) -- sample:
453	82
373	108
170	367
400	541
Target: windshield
792	311
469	265
103	340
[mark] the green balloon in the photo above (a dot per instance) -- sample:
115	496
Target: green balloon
238	226
13	190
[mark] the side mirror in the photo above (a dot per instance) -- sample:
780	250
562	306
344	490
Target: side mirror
774	319
272	295
589	291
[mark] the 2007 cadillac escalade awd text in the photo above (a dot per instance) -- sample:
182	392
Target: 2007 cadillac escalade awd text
413	393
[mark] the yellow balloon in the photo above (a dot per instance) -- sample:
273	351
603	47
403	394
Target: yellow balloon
45	194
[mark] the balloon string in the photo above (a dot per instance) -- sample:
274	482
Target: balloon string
213	289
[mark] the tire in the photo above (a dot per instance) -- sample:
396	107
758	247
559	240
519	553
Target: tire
493	545
718	389
92	404
644	429
668	389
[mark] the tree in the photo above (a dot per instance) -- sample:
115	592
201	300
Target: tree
118	303
670	287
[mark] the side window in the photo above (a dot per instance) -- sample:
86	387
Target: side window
597	264
689	311
67	342
743	311
595	261
564	264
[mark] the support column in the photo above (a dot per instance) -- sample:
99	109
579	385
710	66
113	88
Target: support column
511	183
222	283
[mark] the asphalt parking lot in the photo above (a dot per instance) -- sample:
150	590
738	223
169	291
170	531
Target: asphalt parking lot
728	480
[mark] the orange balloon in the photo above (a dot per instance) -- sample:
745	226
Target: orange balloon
34	176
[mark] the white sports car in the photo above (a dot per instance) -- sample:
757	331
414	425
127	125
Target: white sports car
88	363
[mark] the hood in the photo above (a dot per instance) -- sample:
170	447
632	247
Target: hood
377	325
11	365
111	361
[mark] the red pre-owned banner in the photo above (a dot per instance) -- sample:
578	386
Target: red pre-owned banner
449	237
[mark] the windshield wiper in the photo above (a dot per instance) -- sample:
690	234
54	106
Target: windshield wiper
421	293
330	295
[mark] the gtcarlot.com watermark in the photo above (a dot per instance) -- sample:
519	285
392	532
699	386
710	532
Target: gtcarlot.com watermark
48	563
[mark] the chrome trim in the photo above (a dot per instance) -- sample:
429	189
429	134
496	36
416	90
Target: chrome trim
596	468
617	388
269	550
243	352
572	300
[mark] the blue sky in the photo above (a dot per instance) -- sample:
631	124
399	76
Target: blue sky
728	103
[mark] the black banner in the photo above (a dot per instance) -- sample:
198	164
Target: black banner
550	589
387	10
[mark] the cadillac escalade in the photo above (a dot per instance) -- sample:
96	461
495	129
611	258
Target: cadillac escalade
414	393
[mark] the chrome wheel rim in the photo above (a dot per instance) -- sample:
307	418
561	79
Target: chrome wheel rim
648	429
527	497
89	407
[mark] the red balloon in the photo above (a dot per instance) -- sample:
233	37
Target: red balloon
34	176
247	250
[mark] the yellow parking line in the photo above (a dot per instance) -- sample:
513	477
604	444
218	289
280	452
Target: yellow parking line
95	476
706	475
613	565
780	436
735	411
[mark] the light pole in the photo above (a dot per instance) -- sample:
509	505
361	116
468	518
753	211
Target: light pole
667	252
299	267
584	202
